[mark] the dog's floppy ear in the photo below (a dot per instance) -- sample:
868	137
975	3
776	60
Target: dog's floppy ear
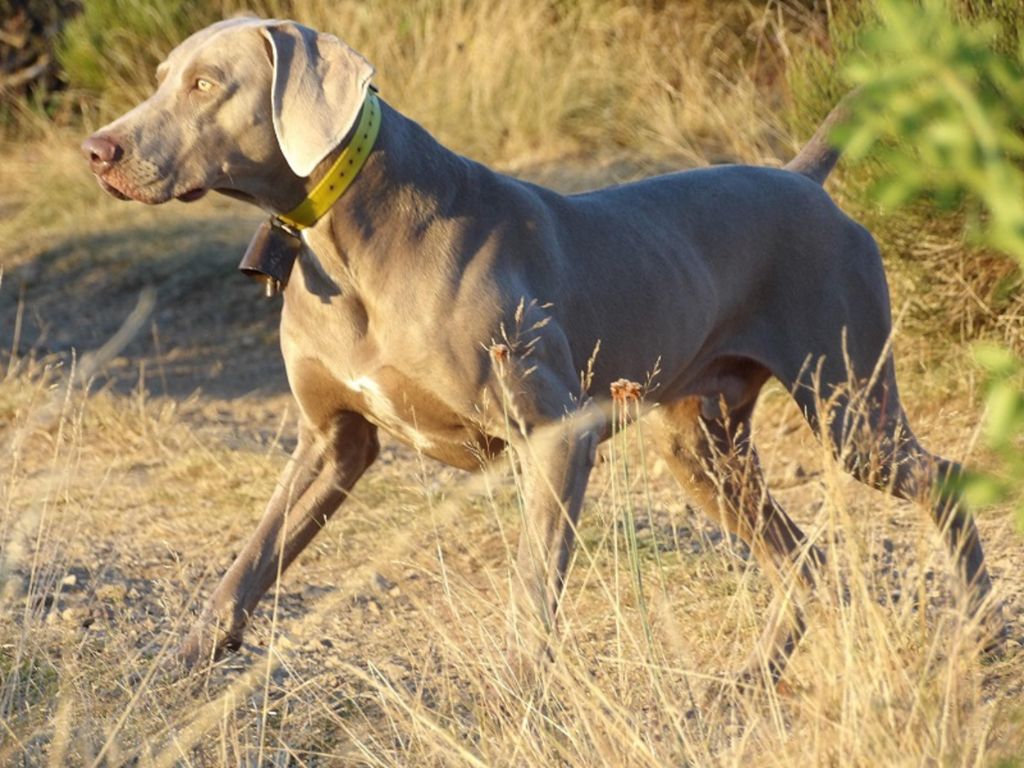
319	85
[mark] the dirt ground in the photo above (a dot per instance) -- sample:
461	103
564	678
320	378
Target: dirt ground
124	499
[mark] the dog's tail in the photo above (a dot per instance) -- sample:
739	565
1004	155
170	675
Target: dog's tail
819	155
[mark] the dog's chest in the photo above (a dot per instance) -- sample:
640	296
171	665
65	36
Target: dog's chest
335	364
418	417
411	414
400	406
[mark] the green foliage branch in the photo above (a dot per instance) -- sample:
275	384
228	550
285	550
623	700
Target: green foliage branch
940	103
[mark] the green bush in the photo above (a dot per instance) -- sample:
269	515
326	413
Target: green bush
917	43
940	100
113	46
29	75
940	106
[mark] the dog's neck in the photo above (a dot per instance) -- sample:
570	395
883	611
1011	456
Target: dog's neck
333	176
283	191
408	171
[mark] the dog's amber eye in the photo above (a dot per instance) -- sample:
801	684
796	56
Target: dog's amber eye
204	85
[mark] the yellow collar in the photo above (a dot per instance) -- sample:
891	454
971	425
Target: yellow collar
342	173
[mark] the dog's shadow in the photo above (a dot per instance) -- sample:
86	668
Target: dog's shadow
211	327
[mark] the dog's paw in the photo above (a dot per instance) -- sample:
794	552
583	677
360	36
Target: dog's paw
745	690
523	670
205	644
726	701
993	634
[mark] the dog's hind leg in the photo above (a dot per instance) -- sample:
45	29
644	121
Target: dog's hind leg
868	432
713	458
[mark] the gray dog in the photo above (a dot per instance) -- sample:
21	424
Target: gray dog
457	309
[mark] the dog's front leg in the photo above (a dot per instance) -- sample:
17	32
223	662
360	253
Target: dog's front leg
556	460
318	477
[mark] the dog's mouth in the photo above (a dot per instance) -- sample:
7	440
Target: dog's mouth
192	195
110	189
127	192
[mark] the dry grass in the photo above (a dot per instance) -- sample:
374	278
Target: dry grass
502	81
385	645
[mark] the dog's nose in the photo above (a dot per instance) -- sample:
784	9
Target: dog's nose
101	152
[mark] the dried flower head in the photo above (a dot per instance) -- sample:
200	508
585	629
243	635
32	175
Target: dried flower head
624	391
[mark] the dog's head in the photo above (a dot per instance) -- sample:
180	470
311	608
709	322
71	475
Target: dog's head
243	107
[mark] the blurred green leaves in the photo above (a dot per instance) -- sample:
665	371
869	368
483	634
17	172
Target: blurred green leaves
113	46
942	107
1004	426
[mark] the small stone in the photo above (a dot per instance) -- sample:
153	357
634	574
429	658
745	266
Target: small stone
76	614
112	593
13	588
393	670
381	582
